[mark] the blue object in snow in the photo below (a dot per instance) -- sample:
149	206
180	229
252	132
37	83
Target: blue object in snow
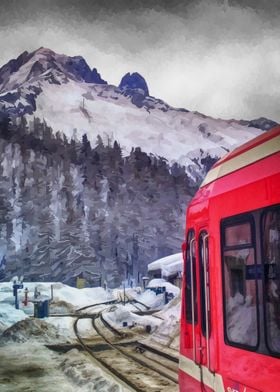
16	287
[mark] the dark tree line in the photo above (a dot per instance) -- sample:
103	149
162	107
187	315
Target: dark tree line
68	208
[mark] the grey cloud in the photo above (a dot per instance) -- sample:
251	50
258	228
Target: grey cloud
208	56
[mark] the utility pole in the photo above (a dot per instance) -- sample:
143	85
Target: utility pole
124	293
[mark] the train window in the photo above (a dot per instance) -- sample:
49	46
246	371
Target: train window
191	290
238	234
271	260
239	282
204	282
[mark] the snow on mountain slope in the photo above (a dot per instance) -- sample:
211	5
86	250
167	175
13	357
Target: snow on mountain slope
75	100
96	110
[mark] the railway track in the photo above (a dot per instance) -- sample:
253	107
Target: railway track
163	360
133	365
131	301
110	302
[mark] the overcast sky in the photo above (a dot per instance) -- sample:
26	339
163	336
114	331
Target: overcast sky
219	57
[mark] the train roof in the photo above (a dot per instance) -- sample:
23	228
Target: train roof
256	149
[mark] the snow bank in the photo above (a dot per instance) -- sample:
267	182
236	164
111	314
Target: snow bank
9	315
167	332
28	328
170	288
118	315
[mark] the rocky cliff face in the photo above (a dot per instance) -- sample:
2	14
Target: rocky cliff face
44	64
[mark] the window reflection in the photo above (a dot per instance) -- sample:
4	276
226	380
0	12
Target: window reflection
241	303
240	285
271	249
238	234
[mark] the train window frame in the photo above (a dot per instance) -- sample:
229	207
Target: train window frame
231	222
264	213
204	233
188	312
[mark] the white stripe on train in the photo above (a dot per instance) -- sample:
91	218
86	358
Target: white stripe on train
246	158
211	380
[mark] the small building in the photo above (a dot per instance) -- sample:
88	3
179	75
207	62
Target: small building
169	268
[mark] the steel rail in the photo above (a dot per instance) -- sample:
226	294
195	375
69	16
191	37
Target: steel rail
132	357
114	301
156	351
111	328
104	364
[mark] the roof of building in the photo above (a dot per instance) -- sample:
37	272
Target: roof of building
168	265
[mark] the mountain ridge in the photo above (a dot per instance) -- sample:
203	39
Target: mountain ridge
74	99
42	60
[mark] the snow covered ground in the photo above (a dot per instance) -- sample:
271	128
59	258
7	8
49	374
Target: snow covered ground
27	365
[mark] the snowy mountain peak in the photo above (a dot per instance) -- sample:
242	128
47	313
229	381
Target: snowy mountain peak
74	99
45	64
134	81
44	51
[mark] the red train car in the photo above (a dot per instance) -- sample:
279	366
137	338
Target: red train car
230	321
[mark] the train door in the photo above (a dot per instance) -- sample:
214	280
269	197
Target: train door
205	320
189	359
191	297
207	378
206	359
198	316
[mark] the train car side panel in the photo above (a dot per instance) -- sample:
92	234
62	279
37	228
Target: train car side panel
240	212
